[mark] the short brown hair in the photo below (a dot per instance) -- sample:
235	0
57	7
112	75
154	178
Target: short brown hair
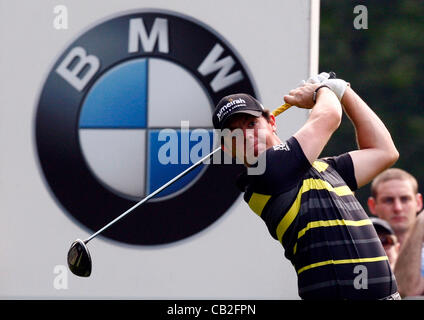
266	114
393	174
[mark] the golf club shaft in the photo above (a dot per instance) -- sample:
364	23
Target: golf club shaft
281	109
152	194
276	112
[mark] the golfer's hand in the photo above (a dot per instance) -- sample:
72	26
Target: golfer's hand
338	86
302	96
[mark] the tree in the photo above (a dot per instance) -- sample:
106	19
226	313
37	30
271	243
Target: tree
385	67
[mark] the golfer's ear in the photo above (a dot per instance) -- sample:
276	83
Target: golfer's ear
272	121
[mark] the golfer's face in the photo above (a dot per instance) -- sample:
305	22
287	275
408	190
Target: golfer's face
250	137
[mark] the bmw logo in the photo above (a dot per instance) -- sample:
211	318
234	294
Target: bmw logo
116	99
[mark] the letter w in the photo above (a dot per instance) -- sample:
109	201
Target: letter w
212	64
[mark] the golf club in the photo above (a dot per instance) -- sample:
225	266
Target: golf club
79	259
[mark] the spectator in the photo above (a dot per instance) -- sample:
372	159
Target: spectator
388	239
395	198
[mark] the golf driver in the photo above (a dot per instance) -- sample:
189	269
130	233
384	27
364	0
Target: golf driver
79	259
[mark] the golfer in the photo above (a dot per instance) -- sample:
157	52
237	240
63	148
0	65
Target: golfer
308	203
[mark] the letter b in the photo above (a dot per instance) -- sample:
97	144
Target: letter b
72	76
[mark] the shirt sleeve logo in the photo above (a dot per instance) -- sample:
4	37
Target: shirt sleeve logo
282	147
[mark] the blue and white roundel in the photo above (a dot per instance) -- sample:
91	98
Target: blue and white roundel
128	106
121	122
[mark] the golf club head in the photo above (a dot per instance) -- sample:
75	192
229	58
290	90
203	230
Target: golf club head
79	260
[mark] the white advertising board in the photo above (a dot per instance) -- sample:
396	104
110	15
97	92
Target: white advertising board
74	153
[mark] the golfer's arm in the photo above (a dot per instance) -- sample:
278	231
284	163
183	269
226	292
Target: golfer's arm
377	151
408	265
323	120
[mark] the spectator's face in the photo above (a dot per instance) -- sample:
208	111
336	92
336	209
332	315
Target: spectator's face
396	203
391	246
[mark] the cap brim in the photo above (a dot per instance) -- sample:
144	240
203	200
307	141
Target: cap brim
254	113
382	229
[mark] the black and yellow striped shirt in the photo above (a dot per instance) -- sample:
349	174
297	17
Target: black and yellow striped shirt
325	232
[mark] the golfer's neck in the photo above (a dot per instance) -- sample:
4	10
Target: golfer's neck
274	140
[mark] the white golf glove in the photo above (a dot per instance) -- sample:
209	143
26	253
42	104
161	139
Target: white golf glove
319	78
338	86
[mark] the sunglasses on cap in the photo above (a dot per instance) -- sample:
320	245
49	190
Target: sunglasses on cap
387	240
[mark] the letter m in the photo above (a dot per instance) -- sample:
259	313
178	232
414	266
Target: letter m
138	32
211	64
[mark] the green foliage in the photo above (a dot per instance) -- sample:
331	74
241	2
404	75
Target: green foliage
385	67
